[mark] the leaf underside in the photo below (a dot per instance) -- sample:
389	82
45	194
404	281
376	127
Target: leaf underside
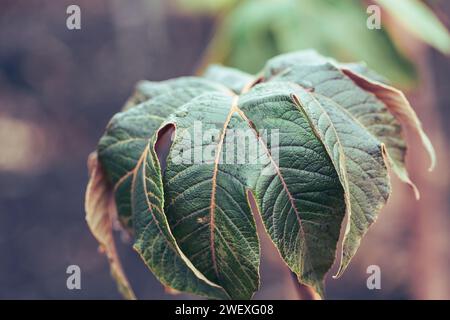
338	127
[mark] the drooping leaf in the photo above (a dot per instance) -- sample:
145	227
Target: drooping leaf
384	115
128	132
126	138
302	202
326	78
360	159
317	136
154	240
398	105
100	216
207	205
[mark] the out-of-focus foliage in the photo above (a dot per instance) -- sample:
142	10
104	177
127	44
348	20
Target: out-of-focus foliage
206	6
420	21
250	31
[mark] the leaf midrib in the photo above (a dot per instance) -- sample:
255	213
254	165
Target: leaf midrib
214	183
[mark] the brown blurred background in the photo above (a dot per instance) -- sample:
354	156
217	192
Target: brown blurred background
59	88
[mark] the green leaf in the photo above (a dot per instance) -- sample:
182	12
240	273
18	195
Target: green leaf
123	144
154	240
207	203
233	79
180	88
128	132
325	78
309	140
381	110
302	203
359	156
399	106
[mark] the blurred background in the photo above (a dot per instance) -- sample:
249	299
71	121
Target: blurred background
59	88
